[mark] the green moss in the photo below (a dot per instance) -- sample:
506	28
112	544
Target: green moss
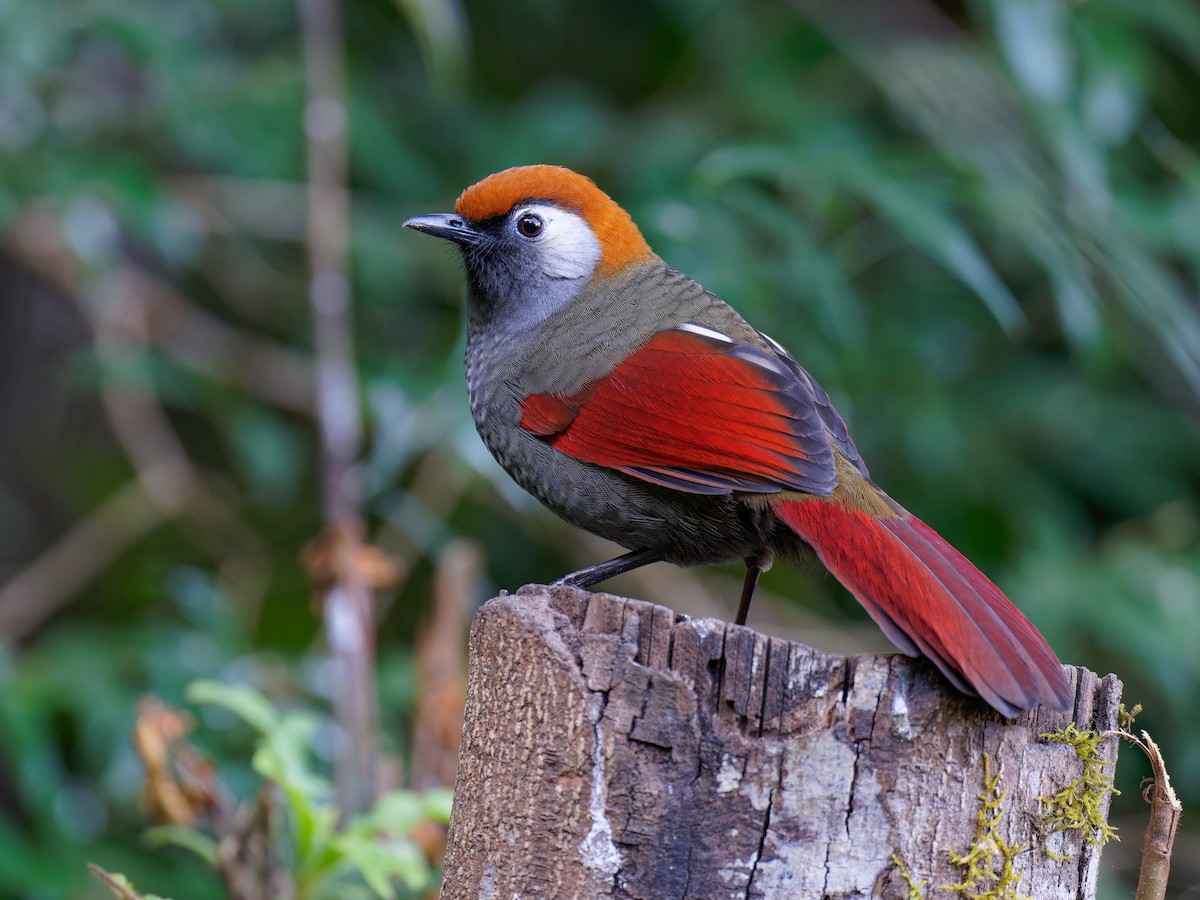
1125	716
1080	805
916	889
987	864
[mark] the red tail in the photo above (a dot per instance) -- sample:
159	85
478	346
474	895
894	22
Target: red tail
929	599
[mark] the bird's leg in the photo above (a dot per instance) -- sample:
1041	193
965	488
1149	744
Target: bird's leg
634	559
753	569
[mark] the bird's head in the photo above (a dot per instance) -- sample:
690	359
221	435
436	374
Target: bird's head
532	237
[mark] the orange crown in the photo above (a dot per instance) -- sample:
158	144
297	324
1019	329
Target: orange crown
620	241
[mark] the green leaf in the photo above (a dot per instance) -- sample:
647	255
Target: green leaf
284	758
917	216
246	703
314	826
183	836
1033	36
381	860
436	804
396	812
443	37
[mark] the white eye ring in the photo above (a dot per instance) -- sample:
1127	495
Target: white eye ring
530	225
557	242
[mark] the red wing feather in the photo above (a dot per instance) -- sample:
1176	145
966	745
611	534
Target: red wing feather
694	413
928	598
549	414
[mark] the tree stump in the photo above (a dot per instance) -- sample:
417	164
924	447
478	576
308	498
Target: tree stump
615	749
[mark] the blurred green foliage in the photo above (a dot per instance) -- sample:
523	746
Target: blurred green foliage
977	224
370	856
365	857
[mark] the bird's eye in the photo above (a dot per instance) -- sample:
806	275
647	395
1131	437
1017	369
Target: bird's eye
530	225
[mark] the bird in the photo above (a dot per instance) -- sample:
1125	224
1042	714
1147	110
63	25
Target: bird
637	405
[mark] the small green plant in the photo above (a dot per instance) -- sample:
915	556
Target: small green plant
1125	717
987	863
308	855
1079	806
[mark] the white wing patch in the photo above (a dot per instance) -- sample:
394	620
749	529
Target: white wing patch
710	333
774	343
744	352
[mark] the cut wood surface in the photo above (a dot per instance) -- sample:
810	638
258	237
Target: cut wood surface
614	748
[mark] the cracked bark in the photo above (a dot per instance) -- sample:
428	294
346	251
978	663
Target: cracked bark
615	749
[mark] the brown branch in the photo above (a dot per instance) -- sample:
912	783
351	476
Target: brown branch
55	577
441	665
349	624
266	208
196	339
1165	811
118	884
220	351
167	484
165	471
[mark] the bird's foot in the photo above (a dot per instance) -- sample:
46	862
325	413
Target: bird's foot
755	566
585	578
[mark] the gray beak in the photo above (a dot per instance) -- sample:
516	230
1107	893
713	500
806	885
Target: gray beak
445	225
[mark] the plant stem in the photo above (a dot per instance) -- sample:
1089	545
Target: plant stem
349	624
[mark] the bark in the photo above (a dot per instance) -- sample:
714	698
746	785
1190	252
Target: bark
613	748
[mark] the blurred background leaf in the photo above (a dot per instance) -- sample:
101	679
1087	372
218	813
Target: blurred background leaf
978	224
